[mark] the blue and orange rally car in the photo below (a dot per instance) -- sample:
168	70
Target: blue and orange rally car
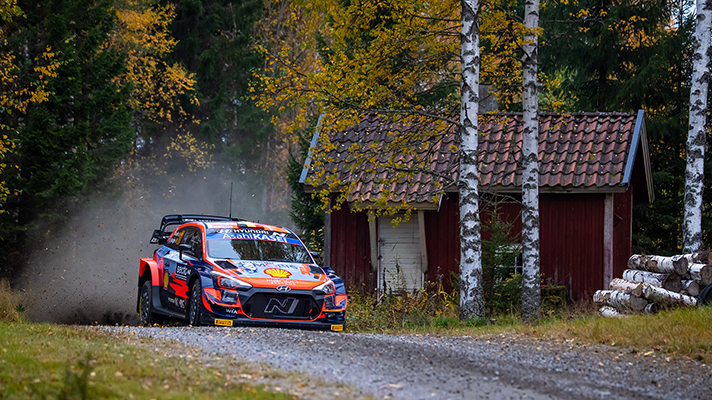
221	271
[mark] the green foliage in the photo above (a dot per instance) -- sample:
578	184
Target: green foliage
428	307
501	284
11	308
306	212
82	129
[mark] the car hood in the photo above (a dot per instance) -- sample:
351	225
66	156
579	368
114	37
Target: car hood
273	274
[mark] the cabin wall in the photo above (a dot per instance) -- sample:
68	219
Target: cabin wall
571	241
351	249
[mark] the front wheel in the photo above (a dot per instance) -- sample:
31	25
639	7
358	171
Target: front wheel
194	306
146	314
705	297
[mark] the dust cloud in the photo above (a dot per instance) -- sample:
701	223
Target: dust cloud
86	272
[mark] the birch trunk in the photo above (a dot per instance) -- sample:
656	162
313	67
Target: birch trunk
634	288
664	265
701	273
696	136
670	282
610	312
531	287
690	288
667	298
471	293
702	257
623	301
602	296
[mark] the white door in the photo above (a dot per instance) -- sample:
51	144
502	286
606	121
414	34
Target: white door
400	261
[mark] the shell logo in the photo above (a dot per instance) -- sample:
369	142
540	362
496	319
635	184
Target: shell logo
277	273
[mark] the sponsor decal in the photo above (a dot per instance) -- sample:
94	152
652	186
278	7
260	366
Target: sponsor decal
165	280
337	328
283	288
248	267
231	311
286	306
178	302
223	322
277	273
181	271
280	282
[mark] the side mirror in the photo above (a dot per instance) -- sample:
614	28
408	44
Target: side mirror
181	248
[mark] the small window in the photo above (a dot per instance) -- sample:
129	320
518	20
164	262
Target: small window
510	256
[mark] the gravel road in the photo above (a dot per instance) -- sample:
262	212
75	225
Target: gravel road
430	367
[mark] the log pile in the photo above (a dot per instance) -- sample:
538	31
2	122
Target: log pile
652	283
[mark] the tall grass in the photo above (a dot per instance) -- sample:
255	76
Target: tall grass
11	308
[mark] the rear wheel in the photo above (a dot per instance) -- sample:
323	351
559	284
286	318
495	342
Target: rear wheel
146	315
705	297
194	306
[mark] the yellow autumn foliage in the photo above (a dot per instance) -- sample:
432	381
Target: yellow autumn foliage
142	31
397	59
196	154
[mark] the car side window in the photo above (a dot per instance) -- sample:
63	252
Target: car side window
176	239
193	238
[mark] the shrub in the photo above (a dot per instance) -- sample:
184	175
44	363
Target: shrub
11	308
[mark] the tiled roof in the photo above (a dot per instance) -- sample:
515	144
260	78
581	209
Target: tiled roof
577	152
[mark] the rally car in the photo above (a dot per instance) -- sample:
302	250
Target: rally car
213	270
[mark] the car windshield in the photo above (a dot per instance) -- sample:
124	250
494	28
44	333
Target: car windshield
258	250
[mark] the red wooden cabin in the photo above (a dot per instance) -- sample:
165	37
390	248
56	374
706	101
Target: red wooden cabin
593	168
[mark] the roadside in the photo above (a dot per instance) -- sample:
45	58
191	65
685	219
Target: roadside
426	366
45	361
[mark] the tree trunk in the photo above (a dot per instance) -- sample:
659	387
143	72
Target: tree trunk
471	294
634	288
531	286
690	288
667	298
659	264
701	273
610	312
702	257
696	136
623	301
670	282
602	296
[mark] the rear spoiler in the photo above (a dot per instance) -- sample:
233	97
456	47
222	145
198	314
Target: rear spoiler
160	236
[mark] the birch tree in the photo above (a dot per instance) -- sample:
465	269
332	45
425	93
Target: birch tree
696	141
471	295
531	292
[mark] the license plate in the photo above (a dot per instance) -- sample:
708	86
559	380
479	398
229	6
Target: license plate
223	322
337	328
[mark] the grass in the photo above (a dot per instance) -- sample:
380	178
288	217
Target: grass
685	332
44	361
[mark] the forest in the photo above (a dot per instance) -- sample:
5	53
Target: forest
137	101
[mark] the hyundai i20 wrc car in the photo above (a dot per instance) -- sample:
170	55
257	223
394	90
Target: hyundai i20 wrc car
213	270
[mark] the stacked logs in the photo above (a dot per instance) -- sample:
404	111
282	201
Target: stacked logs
652	283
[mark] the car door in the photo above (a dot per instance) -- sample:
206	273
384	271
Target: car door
177	267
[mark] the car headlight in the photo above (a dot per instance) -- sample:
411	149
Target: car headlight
230	283
326	287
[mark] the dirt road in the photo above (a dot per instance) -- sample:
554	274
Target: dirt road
427	367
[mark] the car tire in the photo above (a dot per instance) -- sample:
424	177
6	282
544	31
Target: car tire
705	297
146	314
194	303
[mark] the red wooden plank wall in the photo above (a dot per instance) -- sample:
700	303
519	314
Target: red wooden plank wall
442	236
622	231
571	241
351	248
